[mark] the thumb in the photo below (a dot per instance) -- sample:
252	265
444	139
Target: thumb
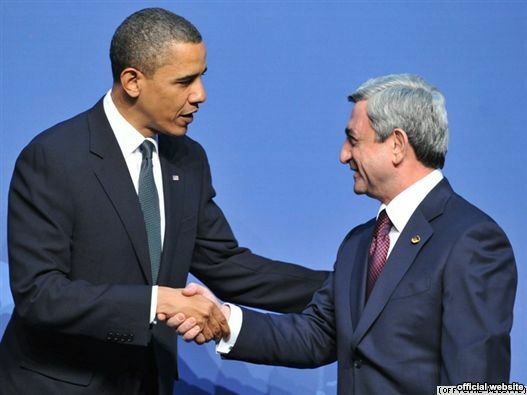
191	289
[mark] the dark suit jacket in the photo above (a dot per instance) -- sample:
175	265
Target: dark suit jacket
79	263
439	314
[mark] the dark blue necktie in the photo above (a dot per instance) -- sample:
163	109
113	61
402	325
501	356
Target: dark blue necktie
149	201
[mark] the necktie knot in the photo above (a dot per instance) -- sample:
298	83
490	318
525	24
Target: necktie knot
146	149
383	225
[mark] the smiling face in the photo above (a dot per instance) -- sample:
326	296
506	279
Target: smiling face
370	159
167	99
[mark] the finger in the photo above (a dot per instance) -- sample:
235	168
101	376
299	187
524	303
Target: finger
213	325
223	329
176	320
191	334
186	326
200	339
161	317
207	333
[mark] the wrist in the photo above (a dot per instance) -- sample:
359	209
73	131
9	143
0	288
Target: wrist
166	299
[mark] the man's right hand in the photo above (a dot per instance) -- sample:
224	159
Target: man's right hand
209	320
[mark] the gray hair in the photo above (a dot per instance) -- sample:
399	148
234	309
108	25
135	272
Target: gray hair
408	102
143	38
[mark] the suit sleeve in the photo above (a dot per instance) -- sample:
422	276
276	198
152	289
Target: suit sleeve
305	340
237	275
41	221
479	289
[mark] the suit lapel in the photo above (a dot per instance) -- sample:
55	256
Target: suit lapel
171	151
360	273
349	272
398	262
402	256
110	169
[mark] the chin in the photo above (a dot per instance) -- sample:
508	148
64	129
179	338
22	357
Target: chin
359	190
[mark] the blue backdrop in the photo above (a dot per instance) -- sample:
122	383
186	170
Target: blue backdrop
279	74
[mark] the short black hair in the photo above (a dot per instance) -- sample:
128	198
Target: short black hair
142	39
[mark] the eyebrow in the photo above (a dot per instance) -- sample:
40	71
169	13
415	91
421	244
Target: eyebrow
190	77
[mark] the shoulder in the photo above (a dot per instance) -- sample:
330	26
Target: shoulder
63	137
182	148
465	227
460	214
194	147
359	229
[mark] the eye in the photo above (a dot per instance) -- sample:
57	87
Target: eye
186	81
352	140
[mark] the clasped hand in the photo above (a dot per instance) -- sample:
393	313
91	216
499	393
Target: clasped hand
194	312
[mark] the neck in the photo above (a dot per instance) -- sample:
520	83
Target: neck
127	107
406	179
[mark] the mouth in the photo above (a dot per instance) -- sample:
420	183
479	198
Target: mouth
188	117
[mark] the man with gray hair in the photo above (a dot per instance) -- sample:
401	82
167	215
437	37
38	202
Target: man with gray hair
420	296
108	213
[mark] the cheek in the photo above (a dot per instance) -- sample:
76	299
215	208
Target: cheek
360	158
367	161
172	97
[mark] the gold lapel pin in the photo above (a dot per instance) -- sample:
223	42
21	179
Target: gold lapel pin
415	239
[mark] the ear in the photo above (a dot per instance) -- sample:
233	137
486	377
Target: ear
400	145
131	81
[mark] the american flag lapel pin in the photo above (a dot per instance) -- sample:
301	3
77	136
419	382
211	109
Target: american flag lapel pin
175	177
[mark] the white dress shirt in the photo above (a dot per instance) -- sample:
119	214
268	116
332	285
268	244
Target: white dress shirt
399	210
129	140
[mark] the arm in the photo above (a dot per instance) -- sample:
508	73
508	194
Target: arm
41	226
479	288
239	276
305	340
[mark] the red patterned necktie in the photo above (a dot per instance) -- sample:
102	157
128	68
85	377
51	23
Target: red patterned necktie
378	249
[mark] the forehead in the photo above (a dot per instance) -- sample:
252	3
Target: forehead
185	58
359	115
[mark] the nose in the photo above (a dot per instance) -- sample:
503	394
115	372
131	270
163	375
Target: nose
198	94
345	152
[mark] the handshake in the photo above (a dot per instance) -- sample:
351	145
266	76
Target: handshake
194	312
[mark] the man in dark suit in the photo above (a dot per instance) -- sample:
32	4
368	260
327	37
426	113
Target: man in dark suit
421	296
108	213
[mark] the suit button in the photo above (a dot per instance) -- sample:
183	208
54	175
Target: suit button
358	363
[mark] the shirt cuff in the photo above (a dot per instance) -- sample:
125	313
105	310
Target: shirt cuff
235	324
153	305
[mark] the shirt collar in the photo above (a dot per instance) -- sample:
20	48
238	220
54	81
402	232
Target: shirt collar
128	137
401	208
